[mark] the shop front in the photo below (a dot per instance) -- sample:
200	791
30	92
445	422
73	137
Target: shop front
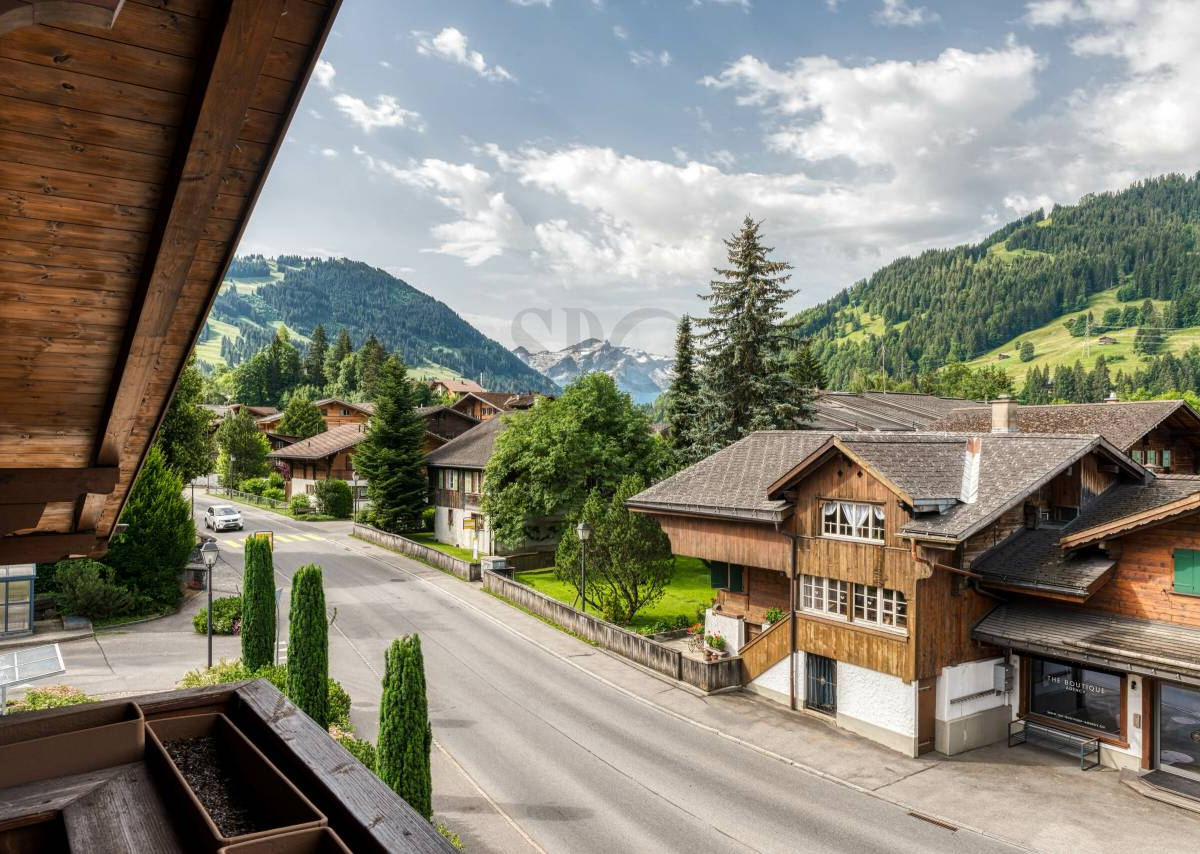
1177	747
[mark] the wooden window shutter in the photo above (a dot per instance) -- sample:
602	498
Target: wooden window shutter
1187	578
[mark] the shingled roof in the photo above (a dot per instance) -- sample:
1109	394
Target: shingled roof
735	482
1121	423
878	410
1139	646
1033	560
472	449
323	444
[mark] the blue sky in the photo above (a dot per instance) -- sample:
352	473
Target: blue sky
554	169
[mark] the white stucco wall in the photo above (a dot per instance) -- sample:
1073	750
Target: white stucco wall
730	628
877	698
963	680
774	682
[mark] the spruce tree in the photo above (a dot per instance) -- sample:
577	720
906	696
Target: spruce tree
186	435
301	417
389	746
308	645
314	360
744	383
370	363
243	449
405	737
258	604
805	367
392	457
683	395
150	554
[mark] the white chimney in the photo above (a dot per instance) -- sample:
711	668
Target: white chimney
970	476
1112	398
1004	415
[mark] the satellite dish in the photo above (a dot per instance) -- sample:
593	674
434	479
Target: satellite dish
25	665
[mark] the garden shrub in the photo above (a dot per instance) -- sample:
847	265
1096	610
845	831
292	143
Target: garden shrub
427	517
359	748
300	506
254	485
275	479
86	589
227	616
334	498
234	671
49	697
274	493
339	706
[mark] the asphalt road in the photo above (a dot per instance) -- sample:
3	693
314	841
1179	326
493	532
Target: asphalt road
578	763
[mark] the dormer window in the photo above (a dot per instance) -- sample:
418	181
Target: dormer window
852	520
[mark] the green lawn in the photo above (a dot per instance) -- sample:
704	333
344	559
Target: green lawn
688	592
425	538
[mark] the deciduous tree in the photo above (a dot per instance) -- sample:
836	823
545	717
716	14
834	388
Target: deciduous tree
243	449
186	435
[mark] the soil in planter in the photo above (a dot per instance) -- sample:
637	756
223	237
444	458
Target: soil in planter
215	784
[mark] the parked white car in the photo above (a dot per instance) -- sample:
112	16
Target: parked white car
222	517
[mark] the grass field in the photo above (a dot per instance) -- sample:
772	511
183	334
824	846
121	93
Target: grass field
688	592
425	538
1053	344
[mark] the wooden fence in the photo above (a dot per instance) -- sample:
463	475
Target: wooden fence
708	676
465	570
766	650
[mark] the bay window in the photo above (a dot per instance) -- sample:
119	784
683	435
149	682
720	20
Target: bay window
852	520
877	607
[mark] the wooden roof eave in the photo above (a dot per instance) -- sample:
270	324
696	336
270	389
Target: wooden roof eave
820	455
1136	521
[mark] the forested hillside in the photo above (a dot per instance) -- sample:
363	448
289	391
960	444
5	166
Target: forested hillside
262	294
920	313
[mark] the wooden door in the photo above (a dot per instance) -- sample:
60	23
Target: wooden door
926	714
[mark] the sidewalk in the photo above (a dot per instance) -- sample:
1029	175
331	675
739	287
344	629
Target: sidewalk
1031	797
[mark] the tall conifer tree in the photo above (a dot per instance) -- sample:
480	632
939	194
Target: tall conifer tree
314	360
258	604
392	456
683	396
308	645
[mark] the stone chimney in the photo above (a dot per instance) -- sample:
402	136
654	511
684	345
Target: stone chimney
1004	415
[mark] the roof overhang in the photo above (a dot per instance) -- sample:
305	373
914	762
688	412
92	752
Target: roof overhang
728	514
1134	522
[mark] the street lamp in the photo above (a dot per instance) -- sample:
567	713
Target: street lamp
584	530
210	552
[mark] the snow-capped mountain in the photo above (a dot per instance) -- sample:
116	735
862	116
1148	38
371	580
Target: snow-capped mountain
643	375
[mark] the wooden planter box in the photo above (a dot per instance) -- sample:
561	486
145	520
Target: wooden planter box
281	806
320	840
61	745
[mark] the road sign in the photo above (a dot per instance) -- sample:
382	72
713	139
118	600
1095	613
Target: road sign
270	535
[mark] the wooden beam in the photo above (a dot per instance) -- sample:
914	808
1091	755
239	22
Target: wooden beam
40	485
45	548
242	41
15	14
18	517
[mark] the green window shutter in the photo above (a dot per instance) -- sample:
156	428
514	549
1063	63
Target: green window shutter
718	574
735	578
1187	574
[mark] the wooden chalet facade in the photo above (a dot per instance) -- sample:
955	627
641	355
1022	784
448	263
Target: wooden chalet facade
135	138
325	456
484	405
880	553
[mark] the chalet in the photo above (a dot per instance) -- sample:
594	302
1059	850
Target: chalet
334	412
325	456
1106	340
443	424
456	493
1163	435
455	387
863	542
483	405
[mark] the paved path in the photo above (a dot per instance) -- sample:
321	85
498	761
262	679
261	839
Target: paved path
578	751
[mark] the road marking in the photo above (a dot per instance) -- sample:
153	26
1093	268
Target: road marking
680	716
237	544
289	538
315	537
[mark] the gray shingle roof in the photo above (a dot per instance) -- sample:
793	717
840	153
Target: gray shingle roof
1130	499
876	410
1140	646
734	481
323	444
1034	560
926	467
472	449
1122	423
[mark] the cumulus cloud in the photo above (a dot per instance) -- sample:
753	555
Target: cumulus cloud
744	4
386	112
451	44
620	32
323	74
546	3
898	13
488	224
650	57
330	153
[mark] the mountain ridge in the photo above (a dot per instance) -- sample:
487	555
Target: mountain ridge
641	374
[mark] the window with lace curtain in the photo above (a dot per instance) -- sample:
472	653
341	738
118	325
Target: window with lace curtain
852	520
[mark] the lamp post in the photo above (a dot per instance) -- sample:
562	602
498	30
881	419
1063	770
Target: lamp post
210	552
584	530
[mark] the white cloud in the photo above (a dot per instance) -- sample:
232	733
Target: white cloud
385	113
451	44
330	153
383	63
649	57
545	3
620	32
323	74
744	4
898	13
488	225
316	114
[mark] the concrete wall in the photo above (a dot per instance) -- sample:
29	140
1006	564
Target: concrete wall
877	706
463	569
964	724
774	682
455	535
733	629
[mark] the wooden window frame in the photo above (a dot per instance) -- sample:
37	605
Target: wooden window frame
851	538
1104	737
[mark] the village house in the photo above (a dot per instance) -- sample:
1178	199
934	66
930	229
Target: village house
456	493
325	456
455	387
932	589
483	405
1163	435
443	424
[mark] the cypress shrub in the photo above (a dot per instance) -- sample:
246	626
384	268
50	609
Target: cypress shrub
405	737
308	645
258	604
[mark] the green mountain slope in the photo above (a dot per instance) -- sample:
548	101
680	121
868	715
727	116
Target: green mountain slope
262	294
1111	250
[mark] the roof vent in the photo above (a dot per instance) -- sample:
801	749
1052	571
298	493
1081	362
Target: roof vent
1112	398
1004	411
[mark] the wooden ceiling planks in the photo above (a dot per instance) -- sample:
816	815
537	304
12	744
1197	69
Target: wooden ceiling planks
126	177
